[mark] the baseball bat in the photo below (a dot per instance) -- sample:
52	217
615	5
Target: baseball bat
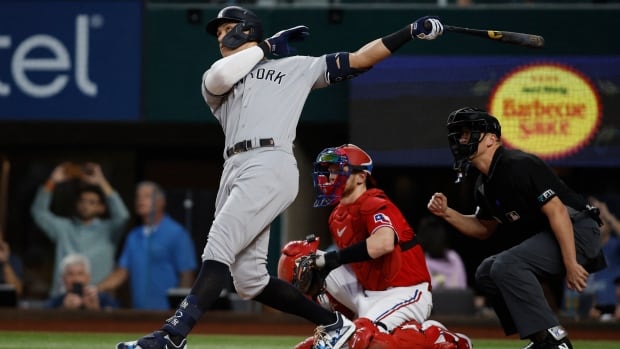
523	39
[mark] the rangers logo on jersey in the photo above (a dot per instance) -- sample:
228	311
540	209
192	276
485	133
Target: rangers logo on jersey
380	217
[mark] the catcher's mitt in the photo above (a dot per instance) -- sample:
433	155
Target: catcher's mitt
307	277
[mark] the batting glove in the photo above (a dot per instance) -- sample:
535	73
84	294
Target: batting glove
426	28
279	45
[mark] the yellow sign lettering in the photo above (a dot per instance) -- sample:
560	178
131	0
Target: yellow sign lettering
547	109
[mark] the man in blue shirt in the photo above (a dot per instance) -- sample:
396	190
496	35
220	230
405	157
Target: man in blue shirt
158	255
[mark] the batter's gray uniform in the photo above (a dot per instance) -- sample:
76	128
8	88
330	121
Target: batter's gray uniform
258	184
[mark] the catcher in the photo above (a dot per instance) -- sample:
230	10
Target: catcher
378	273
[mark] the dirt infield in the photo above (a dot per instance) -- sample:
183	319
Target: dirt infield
227	322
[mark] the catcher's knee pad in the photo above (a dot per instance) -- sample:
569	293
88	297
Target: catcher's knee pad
383	340
441	338
463	341
410	336
306	343
365	330
433	330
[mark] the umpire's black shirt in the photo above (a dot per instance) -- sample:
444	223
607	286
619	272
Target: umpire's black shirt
517	185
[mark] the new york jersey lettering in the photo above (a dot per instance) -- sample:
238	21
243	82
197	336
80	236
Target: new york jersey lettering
267	74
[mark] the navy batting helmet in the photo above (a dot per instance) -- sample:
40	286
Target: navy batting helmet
250	29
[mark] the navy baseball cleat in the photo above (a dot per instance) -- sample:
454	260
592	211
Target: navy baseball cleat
334	336
155	340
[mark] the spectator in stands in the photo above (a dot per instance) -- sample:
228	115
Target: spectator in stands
11	268
80	293
444	264
87	232
158	255
617	313
605	299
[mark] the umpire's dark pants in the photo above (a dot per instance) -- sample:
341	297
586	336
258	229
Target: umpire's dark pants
510	279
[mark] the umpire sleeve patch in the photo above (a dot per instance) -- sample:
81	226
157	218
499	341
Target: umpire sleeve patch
546	196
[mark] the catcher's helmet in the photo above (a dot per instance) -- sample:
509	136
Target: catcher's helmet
476	121
237	37
332	168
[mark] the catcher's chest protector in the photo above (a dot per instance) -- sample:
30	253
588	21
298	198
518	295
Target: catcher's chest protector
348	226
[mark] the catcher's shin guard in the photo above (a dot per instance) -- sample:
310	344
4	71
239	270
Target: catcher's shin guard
306	343
444	345
410	336
383	340
365	330
463	342
441	338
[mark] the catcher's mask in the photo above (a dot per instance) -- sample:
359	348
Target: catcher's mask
476	122
248	29
291	252
332	168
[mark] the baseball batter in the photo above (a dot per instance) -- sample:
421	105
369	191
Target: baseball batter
258	102
378	272
561	236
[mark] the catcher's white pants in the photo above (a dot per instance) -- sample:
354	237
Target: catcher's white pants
390	307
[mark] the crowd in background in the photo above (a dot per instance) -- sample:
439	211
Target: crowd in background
101	262
95	257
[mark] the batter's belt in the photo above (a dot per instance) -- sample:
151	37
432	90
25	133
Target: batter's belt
246	145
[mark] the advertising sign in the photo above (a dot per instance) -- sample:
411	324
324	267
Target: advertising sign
70	60
550	110
564	109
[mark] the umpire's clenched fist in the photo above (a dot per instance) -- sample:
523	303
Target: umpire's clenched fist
438	204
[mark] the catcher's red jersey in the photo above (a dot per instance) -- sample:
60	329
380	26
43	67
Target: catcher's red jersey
355	222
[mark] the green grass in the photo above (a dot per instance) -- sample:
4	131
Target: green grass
60	340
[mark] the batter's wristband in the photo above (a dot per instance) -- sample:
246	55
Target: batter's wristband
397	39
265	47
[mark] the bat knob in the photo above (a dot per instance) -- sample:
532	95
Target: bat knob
428	25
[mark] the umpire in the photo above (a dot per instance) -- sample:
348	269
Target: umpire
558	229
